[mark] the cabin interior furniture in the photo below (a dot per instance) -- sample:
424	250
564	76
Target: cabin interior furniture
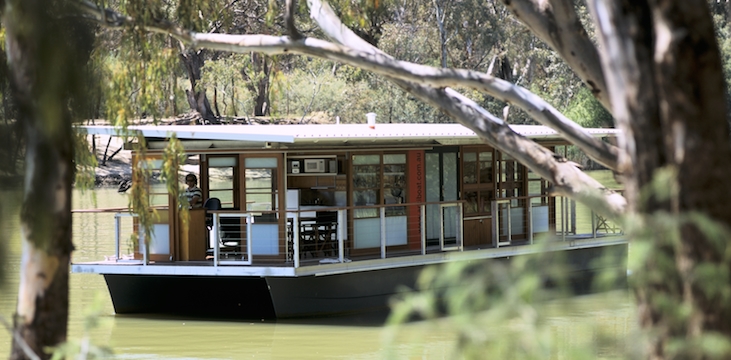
318	235
230	243
211	204
232	236
327	230
308	237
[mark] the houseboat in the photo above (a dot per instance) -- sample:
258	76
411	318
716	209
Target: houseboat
313	220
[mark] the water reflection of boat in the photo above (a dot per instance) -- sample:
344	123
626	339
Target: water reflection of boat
325	219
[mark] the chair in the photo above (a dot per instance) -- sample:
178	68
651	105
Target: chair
603	224
318	234
224	241
308	238
327	229
211	204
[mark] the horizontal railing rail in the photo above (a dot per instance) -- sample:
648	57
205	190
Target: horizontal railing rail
560	217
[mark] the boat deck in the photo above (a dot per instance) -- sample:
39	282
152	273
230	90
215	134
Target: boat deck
328	266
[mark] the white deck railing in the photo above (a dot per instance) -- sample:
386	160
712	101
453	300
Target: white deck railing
239	238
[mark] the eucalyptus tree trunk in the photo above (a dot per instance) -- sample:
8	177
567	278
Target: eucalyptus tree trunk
197	98
666	83
440	14
258	83
42	100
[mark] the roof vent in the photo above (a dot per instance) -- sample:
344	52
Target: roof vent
371	120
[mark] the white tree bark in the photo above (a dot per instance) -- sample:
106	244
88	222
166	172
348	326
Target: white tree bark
557	24
440	14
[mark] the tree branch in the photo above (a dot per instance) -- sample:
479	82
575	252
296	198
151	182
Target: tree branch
20	340
567	179
382	64
556	23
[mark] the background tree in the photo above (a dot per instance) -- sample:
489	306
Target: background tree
46	57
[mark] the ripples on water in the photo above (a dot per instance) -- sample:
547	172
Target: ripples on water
572	321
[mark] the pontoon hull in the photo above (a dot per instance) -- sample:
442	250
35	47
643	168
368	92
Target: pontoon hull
251	297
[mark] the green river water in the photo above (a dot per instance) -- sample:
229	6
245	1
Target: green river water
602	323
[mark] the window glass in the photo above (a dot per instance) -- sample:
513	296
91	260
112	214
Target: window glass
394	183
261	184
221	182
394	159
486	167
152	164
261	162
366	184
469	168
450	184
221	178
221	161
486	198
158	195
433	186
535	187
366	159
471	205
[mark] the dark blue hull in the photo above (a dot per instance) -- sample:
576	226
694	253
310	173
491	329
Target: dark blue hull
245	297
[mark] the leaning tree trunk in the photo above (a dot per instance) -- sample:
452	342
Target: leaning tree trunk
667	91
37	45
258	83
197	99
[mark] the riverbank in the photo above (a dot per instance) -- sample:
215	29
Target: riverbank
116	170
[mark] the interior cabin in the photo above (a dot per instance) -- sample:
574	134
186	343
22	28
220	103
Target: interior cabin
308	194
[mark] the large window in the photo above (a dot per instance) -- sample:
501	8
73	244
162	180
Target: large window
511	173
394	183
157	193
366	183
261	184
379	179
222	180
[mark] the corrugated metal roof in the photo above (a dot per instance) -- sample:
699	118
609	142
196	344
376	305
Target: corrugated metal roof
329	132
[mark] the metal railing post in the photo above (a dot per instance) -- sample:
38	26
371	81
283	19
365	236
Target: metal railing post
564	218
494	229
249	221
383	232
296	239
216	240
572	216
143	244
496	219
441	227
530	222
510	224
460	226
339	235
422	219
117	235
